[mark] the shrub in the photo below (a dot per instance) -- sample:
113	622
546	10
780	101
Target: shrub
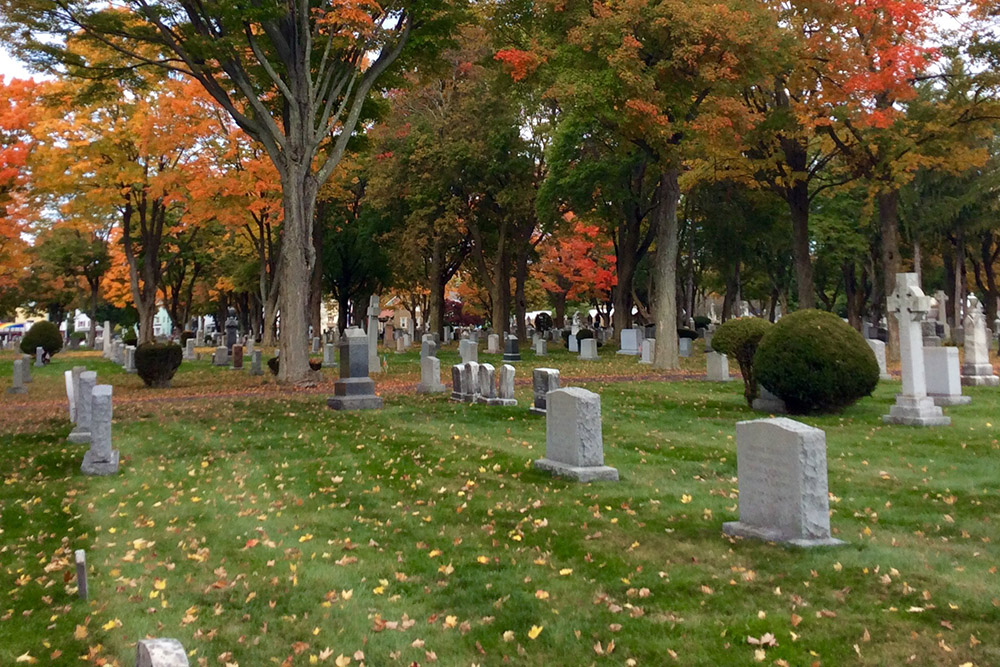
738	339
815	362
130	337
584	334
156	363
43	334
185	336
687	333
78	336
701	322
543	321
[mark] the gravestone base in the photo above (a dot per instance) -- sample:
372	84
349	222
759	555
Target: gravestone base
577	473
911	411
17	390
354	394
768	403
502	402
431	389
740	529
979	375
92	467
459	397
79	437
537	411
946	400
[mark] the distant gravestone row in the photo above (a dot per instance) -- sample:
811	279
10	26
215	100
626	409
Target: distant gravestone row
473	382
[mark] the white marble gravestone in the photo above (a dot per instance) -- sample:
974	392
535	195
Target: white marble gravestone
630	342
574	444
160	653
101	458
468	349
977	369
781	468
329	358
648	355
430	376
588	349
541	347
878	349
944	381
914	407
493	344
717	366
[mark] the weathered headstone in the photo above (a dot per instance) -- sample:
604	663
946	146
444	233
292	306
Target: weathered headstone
354	390
84	408
977	369
486	384
717	365
237	358
400	345
39	357
878	349
373	312
588	349
428	346
768	403
781	468
101	458
232	329
80	558
468	350
316	342
329	360
77	370
630	342
574	445
541	347
928	329
648	352
255	363
908	305
130	359
573	343
68	375
107	339
505	390
189	353
493	344
26	369
221	357
199	337
388	334
543	380
944	380
430	376
17	384
511	351
685	347
160	653
449	335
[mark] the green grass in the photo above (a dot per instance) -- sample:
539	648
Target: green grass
256	515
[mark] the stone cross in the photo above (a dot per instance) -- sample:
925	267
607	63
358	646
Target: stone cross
101	458
574	446
84	407
160	653
909	305
80	556
781	468
977	369
373	313
354	390
543	380
17	386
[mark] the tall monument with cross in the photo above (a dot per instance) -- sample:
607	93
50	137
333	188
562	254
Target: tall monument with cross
909	306
373	312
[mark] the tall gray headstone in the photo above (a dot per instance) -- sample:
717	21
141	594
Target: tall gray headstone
77	371
17	379
189	353
101	458
255	363
648	354
130	359
430	376
493	344
373	312
629	342
316	342
468	349
977	369
574	444
878	349
329	360
70	396
39	357
428	346
106	334
84	407
781	468
486	384
588	349
160	653
717	366
541	347
354	390
685	347
505	388
26	369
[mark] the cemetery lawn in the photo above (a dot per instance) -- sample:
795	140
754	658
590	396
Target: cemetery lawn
272	531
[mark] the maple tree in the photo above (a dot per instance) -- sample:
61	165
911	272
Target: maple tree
17	97
577	264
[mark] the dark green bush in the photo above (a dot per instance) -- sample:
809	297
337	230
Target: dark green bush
130	337
738	339
156	363
583	334
543	321
185	336
701	322
687	333
815	362
78	336
43	334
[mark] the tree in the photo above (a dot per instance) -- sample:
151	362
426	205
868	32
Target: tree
17	98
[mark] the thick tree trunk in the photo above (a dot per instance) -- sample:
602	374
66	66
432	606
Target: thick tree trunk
294	272
559	306
622	296
92	334
958	303
888	215
437	284
520	300
316	279
851	294
798	202
665	308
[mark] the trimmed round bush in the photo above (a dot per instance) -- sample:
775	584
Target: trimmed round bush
701	321
543	321
43	334
185	336
687	333
584	334
156	363
130	337
738	338
815	362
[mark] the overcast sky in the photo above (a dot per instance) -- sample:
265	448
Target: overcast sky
10	68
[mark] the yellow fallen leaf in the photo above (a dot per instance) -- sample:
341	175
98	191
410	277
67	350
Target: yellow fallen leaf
342	661
159	584
450	621
80	632
26	658
111	624
534	631
566	571
685	498
508	636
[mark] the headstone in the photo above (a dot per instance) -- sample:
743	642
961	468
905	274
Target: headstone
493	344
400	345
100	459
84	408
588	349
768	403
511	351
237	358
107	339
80	556
17	384
908	305
255	365
428	346
199	338
574	445
456	383
486	384
958	336
160	653
944	380
630	342
543	380
468	350
449	335
541	347
68	375
316	342
505	392
354	390
388	334
373	312
26	369
648	351
189	353
248	347
329	360
221	357
708	340
878	349
781	468
685	347
232	329
573	342
941	312
130	359
977	369
430	376
39	357
717	365
928	329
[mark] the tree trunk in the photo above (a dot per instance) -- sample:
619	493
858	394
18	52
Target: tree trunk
888	215
95	290
851	294
316	279
798	202
559	306
622	297
437	284
665	309
295	270
520	300
958	302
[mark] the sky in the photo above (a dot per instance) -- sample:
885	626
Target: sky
11	68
